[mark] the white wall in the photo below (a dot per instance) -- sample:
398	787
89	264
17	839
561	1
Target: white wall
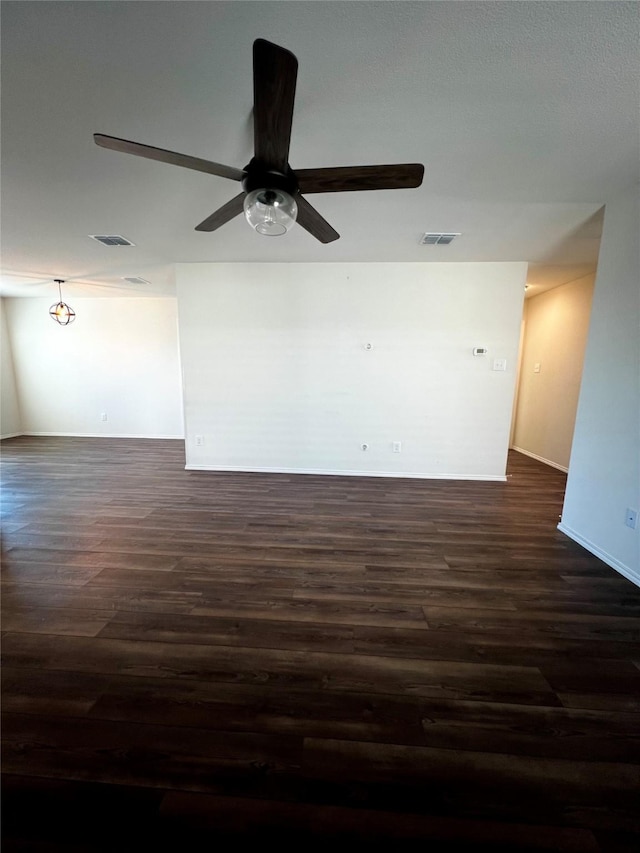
10	420
556	324
604	473
120	356
277	377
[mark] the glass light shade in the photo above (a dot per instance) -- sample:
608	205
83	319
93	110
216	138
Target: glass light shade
62	313
270	212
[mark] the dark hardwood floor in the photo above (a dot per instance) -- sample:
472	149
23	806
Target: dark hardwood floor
199	657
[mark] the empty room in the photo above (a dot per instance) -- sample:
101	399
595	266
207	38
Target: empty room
320	420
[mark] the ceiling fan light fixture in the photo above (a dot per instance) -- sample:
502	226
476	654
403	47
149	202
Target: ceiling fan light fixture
274	196
271	212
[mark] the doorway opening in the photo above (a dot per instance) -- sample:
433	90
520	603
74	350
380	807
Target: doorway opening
555	326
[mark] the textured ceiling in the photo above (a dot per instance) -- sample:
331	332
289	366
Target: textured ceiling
525	115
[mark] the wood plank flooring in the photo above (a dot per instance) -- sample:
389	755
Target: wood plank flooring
199	657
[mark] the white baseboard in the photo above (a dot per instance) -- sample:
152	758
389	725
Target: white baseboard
540	459
101	435
624	570
11	435
339	473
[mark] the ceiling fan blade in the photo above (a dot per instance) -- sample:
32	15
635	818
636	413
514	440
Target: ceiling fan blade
222	214
312	222
274	87
341	179
151	153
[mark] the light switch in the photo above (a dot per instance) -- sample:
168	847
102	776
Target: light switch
499	363
536	367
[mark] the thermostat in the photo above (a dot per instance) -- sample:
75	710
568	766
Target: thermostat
480	350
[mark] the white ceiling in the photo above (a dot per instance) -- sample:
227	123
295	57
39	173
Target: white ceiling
525	115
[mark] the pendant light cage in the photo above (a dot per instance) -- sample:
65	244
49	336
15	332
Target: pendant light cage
62	313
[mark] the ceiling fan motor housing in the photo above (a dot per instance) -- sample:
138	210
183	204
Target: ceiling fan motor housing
258	177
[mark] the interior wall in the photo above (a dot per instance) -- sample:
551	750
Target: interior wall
278	374
10	420
556	324
604	474
119	358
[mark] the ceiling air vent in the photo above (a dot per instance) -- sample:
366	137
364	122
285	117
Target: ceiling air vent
111	240
135	279
438	238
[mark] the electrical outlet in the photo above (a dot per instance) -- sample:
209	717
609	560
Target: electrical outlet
103	416
397	447
199	440
631	518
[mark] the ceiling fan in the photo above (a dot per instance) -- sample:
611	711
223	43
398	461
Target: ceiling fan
272	194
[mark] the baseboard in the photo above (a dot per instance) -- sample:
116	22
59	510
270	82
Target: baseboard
241	469
624	570
11	435
540	459
101	435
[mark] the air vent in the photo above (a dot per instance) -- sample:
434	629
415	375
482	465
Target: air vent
135	279
111	240
438	238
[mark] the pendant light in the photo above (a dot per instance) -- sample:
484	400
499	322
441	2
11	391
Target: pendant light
61	312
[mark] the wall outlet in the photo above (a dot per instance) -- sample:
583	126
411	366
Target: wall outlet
103	416
499	363
199	440
631	518
397	447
